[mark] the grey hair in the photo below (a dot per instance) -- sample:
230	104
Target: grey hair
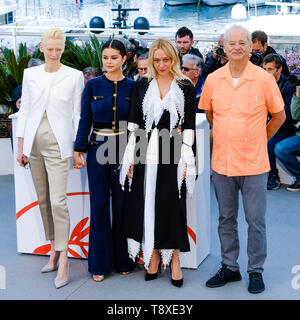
239	27
221	36
33	62
143	56
90	71
198	62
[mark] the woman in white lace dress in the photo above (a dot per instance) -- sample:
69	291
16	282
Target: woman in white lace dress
159	163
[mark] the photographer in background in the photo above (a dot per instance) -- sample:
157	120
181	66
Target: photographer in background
142	65
288	149
260	44
129	67
184	43
139	46
134	48
215	59
272	63
89	73
192	67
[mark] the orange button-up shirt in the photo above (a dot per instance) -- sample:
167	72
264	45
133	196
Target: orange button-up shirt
239	119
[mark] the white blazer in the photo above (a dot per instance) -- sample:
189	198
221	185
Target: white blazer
61	99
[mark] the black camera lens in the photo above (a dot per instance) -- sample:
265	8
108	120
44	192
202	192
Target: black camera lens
294	80
256	58
220	52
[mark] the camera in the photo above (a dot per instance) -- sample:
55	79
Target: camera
257	58
140	47
294	80
140	50
220	51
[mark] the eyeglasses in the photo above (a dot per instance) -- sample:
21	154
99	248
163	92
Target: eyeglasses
187	69
143	69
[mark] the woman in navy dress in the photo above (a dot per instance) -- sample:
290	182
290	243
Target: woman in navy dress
105	106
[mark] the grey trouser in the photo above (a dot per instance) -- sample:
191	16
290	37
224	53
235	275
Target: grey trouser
50	177
253	189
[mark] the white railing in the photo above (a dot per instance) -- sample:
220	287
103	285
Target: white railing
14	32
84	33
284	7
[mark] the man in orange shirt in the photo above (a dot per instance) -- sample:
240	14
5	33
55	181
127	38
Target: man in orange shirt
237	99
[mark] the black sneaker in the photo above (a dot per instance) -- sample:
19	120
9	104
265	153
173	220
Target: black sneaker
256	283
294	187
273	182
223	276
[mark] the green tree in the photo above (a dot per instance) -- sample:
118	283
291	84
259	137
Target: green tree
11	74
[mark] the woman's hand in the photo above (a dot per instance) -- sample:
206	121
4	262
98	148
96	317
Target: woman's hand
18	103
79	160
184	173
130	172
21	158
179	130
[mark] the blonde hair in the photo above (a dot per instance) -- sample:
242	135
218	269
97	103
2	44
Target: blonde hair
167	46
54	33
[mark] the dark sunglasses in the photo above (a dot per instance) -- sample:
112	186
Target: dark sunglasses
143	69
187	69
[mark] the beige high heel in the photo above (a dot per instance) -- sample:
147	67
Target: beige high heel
59	284
48	269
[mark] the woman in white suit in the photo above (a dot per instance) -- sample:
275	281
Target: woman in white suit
47	125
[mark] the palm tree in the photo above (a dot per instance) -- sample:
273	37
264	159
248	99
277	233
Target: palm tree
83	54
11	74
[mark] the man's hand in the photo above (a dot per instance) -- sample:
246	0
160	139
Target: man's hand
275	123
215	56
209	117
224	59
298	91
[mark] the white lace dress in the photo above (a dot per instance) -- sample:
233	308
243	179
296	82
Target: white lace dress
155	211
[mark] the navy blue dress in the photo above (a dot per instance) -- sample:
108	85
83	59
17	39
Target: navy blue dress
105	106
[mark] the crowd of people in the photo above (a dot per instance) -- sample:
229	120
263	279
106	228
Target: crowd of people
254	117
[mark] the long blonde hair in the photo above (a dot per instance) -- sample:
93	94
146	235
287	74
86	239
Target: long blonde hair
169	49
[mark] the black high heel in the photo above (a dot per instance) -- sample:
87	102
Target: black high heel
176	283
152	276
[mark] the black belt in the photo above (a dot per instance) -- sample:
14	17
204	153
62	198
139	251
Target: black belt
105	125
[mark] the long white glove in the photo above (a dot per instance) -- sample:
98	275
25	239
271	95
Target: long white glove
128	157
187	163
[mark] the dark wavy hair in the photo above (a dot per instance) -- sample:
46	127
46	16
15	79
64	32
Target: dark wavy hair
260	36
184	31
